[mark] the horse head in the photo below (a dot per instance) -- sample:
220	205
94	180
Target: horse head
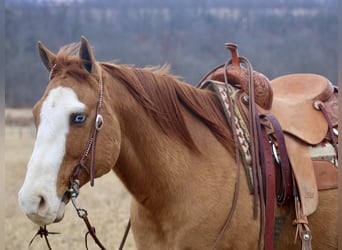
66	116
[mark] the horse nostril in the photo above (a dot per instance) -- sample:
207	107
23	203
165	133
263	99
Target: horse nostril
42	206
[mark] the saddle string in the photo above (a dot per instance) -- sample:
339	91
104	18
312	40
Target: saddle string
301	222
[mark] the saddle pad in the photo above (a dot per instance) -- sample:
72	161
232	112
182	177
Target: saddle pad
303	171
293	98
222	91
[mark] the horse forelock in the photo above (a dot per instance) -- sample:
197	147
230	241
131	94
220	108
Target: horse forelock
68	62
164	96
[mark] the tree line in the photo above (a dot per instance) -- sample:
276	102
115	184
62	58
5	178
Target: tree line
279	37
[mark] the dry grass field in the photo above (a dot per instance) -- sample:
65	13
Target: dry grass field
107	203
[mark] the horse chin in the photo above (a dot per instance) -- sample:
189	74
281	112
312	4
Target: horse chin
60	212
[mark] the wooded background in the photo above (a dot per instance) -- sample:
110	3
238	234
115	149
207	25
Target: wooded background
278	36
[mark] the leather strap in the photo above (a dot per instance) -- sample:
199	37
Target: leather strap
260	186
301	221
284	192
91	229
124	238
82	213
269	191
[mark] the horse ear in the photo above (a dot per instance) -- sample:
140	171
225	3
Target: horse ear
87	56
47	57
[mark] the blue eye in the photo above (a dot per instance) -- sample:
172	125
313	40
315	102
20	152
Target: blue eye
78	118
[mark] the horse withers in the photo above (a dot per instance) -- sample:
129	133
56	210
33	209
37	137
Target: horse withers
169	144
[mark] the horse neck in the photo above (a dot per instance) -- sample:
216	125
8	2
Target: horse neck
153	165
149	160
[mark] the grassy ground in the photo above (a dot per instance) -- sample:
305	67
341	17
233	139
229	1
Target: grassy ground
107	203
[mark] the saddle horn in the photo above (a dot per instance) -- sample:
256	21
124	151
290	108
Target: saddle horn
237	75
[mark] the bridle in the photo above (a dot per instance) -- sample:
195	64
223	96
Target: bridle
74	180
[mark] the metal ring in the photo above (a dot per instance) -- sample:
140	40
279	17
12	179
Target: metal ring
245	99
275	154
81	212
335	131
317	105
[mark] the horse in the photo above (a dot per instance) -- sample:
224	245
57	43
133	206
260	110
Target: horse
169	144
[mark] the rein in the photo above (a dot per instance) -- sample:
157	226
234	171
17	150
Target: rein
254	133
262	163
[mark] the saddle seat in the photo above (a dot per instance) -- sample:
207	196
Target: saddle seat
294	96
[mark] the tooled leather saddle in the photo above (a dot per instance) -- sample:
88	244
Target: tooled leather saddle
290	123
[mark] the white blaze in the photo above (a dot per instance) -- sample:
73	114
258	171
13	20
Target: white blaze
49	149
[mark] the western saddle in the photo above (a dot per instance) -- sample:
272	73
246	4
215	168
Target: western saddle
290	128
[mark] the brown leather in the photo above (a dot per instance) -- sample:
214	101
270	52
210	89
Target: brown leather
293	105
293	100
331	105
326	174
302	168
238	76
270	190
284	185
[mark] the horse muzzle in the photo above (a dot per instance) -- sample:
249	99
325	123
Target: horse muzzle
48	218
40	210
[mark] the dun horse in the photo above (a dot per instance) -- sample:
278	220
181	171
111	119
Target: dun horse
169	144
